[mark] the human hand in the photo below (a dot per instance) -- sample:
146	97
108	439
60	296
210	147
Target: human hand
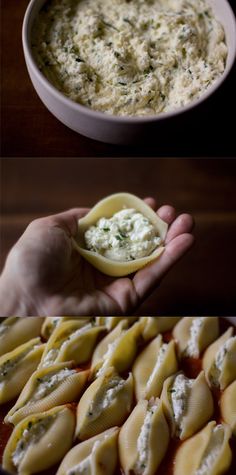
45	275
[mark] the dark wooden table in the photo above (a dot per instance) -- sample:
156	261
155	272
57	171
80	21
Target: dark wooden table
29	130
204	281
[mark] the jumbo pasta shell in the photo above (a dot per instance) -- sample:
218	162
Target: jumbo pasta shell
198	411
228	372
71	341
208	332
67	390
100	454
118	348
157	441
17	366
50	447
148	378
107	208
191	453
93	416
15	331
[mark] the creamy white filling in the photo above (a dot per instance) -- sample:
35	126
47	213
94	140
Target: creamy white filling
130	58
143	441
31	435
112	388
106	357
50	357
84	467
126	236
160	359
212	451
193	347
179	392
10	365
49	382
220	356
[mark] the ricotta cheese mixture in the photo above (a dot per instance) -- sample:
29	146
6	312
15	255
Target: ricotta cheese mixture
112	388
179	397
217	366
143	441
160	359
212	451
126	236
107	356
10	365
130	57
30	436
49	382
192	349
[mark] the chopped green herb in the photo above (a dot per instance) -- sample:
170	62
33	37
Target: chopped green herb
109	25
128	21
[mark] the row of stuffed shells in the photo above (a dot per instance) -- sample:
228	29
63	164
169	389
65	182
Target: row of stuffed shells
38	442
138	333
142	443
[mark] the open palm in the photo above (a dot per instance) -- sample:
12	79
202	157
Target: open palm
52	278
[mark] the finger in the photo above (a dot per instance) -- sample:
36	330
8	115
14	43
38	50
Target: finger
183	224
167	213
148	278
68	220
151	202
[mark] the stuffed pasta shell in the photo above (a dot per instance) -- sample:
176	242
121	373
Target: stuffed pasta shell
38	442
71	342
96	456
17	366
15	331
155	325
219	361
118	348
106	403
206	453
47	388
188	404
143	439
153	365
228	406
111	322
195	334
51	323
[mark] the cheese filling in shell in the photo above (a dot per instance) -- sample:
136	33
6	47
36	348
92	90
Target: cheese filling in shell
217	366
126	236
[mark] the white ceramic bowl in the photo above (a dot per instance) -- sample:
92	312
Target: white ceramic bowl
105	127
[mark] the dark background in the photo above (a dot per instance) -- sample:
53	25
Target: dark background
29	129
203	283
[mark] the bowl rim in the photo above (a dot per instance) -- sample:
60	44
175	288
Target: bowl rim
104	116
